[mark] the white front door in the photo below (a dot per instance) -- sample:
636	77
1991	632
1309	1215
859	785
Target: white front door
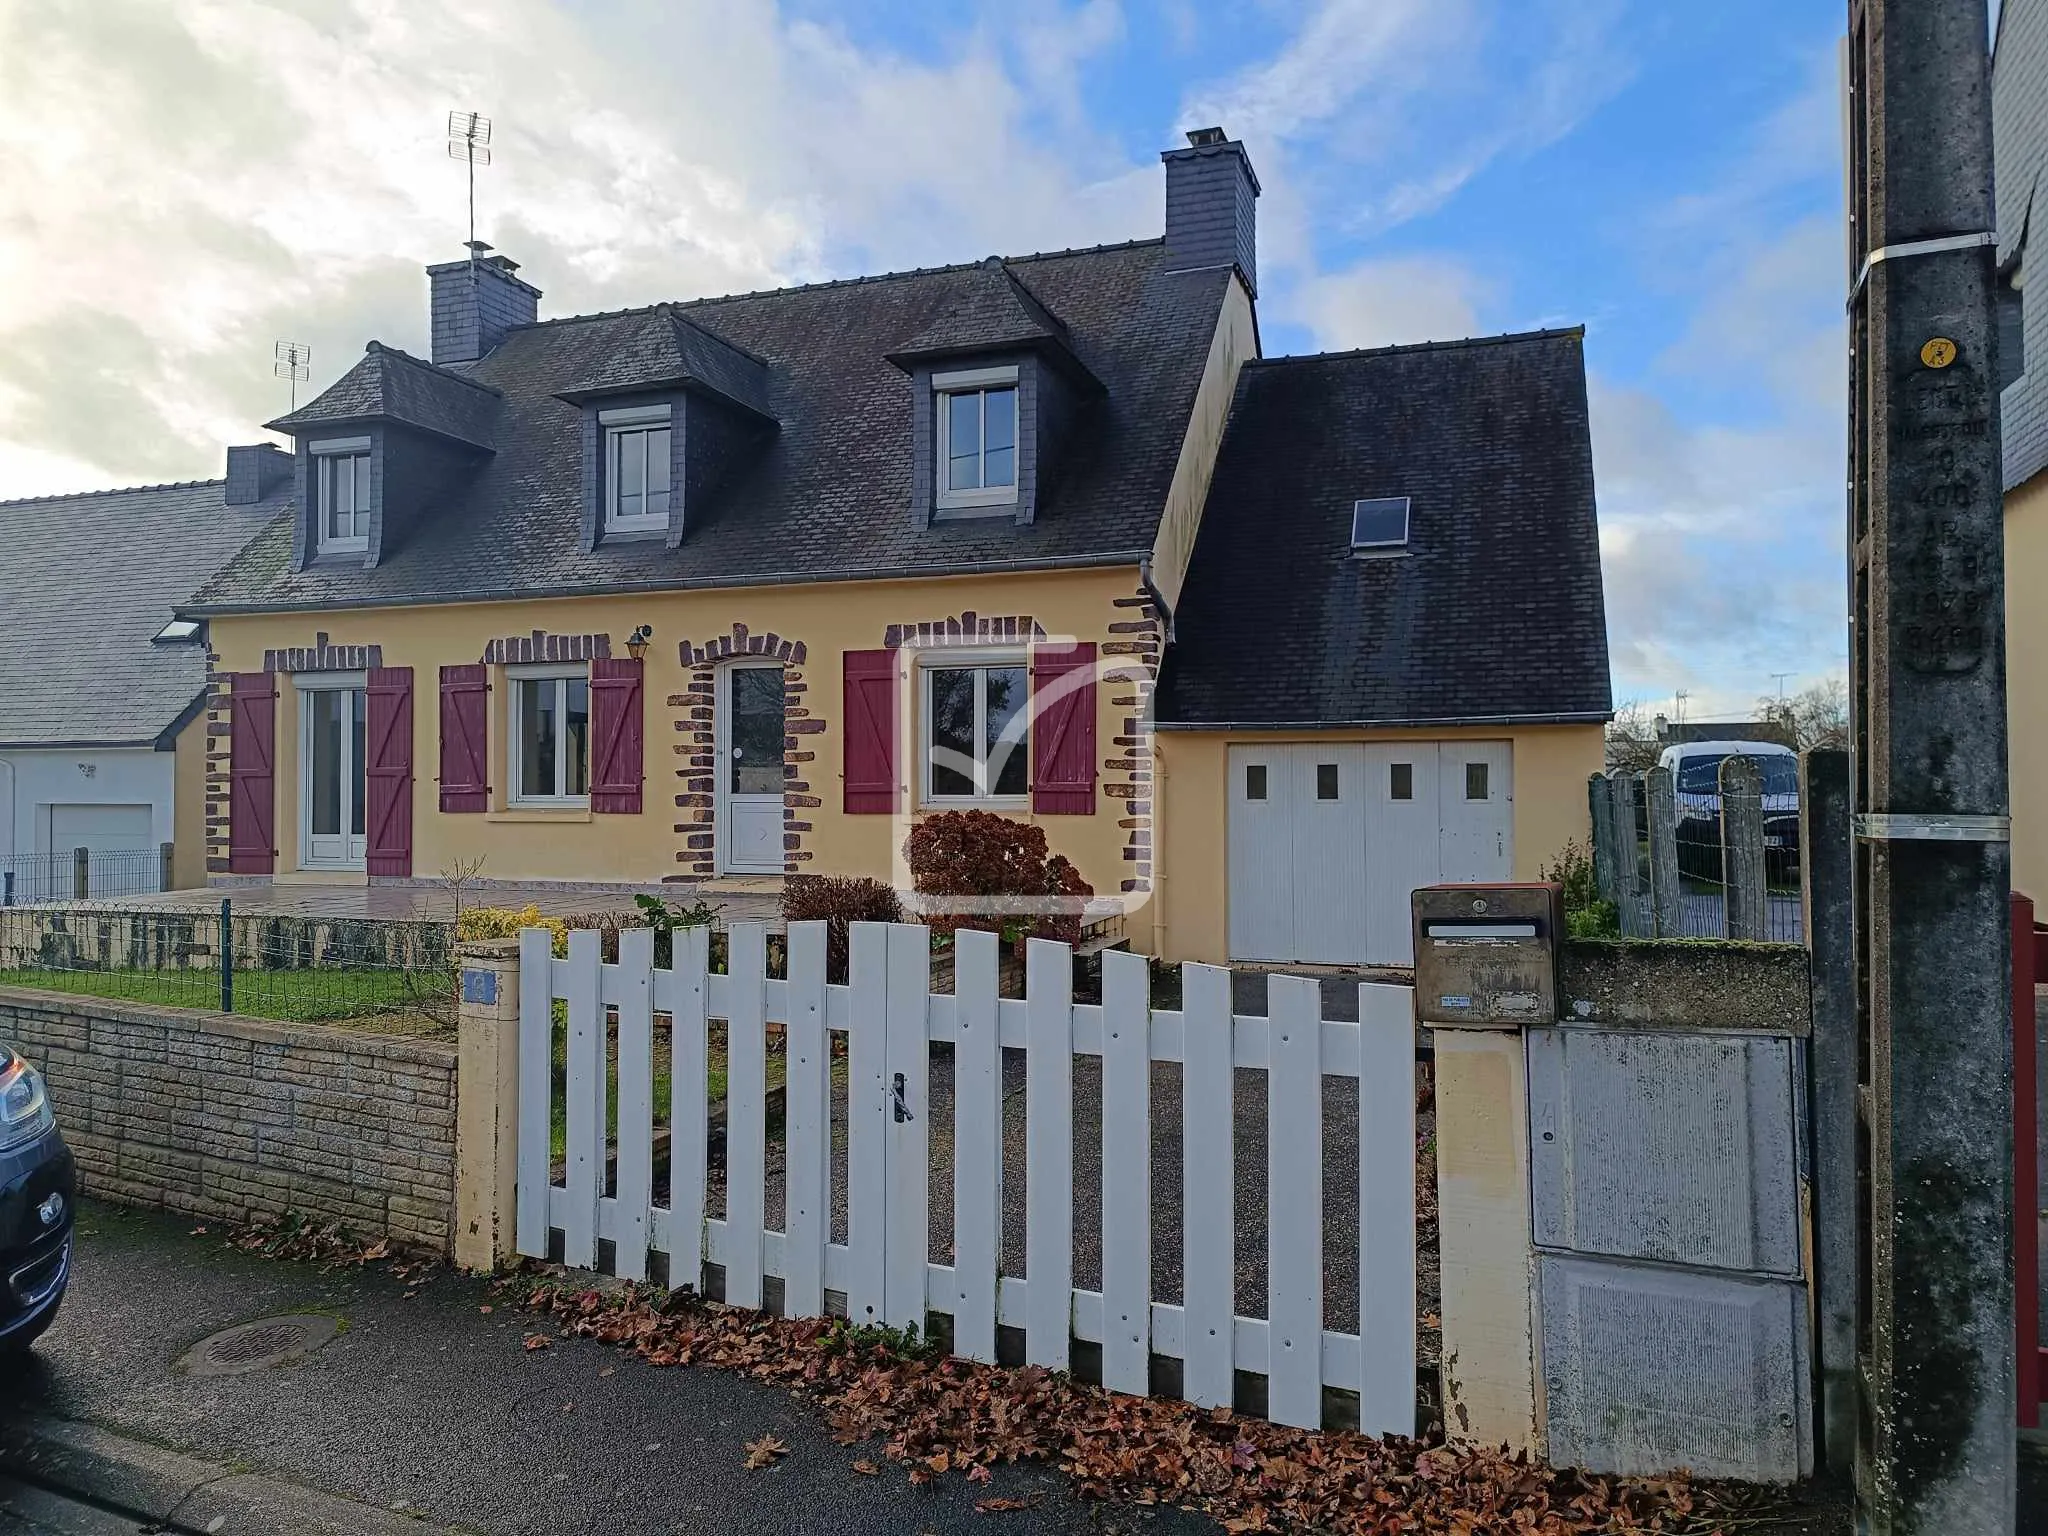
1478	808
750	774
332	716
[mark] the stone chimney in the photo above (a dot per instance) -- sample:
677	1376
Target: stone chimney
1212	206
475	303
254	472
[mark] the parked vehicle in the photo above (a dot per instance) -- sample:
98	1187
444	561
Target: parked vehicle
1696	782
38	1187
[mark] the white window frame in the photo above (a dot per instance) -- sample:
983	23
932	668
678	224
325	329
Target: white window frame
324	456
304	683
973	381
615	426
515	754
975	661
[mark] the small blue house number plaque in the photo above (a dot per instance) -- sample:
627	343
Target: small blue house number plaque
480	987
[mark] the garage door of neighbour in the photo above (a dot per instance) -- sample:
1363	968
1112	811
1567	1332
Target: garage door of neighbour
1327	842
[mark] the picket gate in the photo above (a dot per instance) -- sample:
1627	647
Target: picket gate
890	1018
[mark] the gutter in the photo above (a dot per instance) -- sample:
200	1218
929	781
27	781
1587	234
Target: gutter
1579	717
657	584
1158	599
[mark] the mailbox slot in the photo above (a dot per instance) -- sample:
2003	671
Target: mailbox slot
1486	955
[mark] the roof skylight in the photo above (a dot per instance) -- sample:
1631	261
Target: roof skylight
1380	523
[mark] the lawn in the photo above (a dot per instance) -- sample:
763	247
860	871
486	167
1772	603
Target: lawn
558	1109
391	1001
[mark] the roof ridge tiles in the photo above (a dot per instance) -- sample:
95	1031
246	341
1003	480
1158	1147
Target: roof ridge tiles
1551	333
119	490
837	282
437	369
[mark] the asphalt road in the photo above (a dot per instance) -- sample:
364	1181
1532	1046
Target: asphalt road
26	1511
427	1404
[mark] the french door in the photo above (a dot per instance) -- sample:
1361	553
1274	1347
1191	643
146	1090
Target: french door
333	716
750	777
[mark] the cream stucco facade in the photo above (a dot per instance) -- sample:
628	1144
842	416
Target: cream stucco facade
2026	681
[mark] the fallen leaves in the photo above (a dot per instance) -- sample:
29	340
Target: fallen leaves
936	1415
534	1341
331	1245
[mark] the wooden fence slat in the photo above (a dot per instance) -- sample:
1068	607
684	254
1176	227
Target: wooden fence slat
909	1155
1049	1153
1126	1172
585	1129
1208	1133
867	1122
1744	895
1628	862
977	1145
807	1121
635	1130
1600	804
536	1088
746	1106
689	1110
1294	1202
1665	913
1386	1210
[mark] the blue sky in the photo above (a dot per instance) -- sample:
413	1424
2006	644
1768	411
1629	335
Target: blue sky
192	180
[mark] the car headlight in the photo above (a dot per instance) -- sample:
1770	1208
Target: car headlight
24	1105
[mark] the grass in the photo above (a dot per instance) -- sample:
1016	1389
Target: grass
664	1079
399	1001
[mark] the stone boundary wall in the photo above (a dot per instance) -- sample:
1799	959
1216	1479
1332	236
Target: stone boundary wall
232	1118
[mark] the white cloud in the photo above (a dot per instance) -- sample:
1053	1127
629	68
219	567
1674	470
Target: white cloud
1396	299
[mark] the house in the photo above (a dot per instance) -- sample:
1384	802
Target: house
723	589
1685	732
102	687
2019	122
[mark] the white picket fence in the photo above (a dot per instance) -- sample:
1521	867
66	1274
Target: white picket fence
890	1018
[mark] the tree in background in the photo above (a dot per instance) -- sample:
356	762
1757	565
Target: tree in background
1632	745
1817	715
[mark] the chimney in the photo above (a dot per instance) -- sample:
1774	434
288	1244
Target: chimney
475	302
1211	206
255	471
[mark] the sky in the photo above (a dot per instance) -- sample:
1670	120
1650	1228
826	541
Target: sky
184	182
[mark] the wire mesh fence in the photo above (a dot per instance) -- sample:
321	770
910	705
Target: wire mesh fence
82	874
390	976
1710	851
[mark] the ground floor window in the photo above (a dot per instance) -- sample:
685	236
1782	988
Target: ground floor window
976	732
549	748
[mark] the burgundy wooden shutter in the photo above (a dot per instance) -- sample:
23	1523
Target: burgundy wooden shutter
388	771
1063	730
465	739
252	773
871	785
618	734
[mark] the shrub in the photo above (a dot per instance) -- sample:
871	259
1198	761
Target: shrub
1021	889
839	901
475	923
1586	916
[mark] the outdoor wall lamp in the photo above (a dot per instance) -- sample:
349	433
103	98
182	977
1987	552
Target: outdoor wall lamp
636	642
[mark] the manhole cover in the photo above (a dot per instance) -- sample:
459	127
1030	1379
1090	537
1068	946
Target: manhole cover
254	1346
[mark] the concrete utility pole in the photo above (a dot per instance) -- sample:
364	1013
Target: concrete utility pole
1927	646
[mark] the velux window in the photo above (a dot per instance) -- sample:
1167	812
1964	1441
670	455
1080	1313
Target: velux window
976	732
977	437
637	480
550	745
341	495
1380	525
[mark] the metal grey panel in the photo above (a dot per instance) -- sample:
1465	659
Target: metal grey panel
1648	1370
1667	1146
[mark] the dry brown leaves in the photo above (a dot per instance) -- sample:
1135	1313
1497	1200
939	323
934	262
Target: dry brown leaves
330	1245
948	1415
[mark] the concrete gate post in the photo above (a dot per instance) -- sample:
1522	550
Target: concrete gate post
487	1104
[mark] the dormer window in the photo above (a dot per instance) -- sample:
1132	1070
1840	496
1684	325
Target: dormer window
341	495
977	437
638	474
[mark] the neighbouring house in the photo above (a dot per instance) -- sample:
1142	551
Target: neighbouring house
1684	732
725	589
102	686
2019	118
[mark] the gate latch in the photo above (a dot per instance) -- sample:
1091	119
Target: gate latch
902	1107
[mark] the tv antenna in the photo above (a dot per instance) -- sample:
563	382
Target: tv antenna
469	140
1781	676
292	361
1678	704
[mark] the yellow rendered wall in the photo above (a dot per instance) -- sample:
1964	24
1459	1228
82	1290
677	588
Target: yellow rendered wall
188	805
1236	340
1190	919
2026	682
828	618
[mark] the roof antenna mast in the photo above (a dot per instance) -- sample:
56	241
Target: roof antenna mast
292	360
469	140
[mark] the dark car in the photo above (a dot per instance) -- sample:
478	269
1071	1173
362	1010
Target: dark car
37	1190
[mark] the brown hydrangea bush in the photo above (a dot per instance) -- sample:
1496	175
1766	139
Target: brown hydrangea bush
1021	888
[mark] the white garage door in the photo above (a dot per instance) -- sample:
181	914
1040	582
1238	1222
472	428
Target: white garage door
102	828
1327	843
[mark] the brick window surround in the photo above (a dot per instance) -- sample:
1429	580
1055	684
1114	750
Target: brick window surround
696	748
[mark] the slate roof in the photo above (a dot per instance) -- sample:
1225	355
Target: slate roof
995	312
2019	138
829	493
1496	611
666	349
397	386
86	582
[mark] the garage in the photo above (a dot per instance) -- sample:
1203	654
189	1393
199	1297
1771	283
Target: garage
102	828
1328	840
